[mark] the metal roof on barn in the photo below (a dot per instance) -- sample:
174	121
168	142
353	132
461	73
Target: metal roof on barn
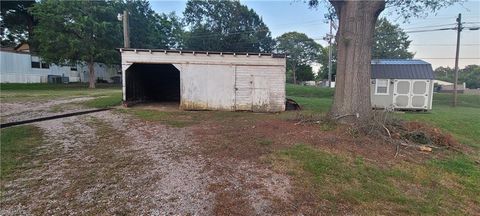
401	69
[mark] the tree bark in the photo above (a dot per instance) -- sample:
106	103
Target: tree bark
355	39
91	74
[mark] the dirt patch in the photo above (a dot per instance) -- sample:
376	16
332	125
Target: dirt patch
242	140
252	140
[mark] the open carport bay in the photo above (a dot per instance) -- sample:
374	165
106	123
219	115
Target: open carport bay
153	82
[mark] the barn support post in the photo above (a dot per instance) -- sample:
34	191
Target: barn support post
124	82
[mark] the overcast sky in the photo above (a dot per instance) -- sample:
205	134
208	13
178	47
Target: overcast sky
437	47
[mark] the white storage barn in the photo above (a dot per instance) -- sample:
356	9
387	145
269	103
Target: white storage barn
402	84
205	80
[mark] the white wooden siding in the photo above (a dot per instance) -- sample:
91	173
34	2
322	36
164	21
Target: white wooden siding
205	87
260	88
222	82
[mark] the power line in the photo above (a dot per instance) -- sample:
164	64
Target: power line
446	58
451	24
444	44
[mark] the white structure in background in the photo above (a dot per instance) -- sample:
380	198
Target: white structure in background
200	80
444	86
404	84
22	67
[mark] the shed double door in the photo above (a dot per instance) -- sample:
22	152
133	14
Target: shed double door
411	94
252	88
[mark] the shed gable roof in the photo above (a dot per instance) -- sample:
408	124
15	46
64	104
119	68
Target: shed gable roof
401	69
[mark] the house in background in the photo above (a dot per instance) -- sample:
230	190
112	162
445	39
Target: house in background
447	87
18	65
401	84
22	47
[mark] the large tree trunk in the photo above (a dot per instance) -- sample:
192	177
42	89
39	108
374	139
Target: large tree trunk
354	38
91	74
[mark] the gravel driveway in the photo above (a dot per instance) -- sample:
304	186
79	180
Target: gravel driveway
110	163
19	111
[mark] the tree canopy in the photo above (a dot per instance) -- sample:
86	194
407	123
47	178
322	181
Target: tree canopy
470	75
16	23
354	39
300	49
226	26
151	30
390	41
77	32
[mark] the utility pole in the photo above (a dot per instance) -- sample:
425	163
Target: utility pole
126	38
459	29
329	38
330	57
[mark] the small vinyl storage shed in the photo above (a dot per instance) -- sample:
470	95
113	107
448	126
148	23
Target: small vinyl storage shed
401	84
205	80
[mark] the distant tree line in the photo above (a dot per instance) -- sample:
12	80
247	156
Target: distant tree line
67	32
470	75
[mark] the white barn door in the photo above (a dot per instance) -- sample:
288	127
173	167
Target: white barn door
259	88
419	94
243	89
411	94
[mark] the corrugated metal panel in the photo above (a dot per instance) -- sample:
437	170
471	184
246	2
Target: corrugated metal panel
401	69
274	55
398	61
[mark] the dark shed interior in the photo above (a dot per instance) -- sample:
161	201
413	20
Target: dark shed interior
152	83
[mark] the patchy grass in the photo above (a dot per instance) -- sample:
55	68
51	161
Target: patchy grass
311	99
16	147
463	122
354	185
308	91
173	119
265	142
441	186
106	101
46	86
42	92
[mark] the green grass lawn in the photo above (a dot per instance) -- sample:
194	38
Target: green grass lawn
463	121
105	95
441	186
447	186
16	148
311	99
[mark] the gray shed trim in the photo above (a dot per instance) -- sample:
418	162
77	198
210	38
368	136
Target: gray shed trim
401	69
273	55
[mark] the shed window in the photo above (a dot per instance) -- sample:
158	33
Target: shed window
381	87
